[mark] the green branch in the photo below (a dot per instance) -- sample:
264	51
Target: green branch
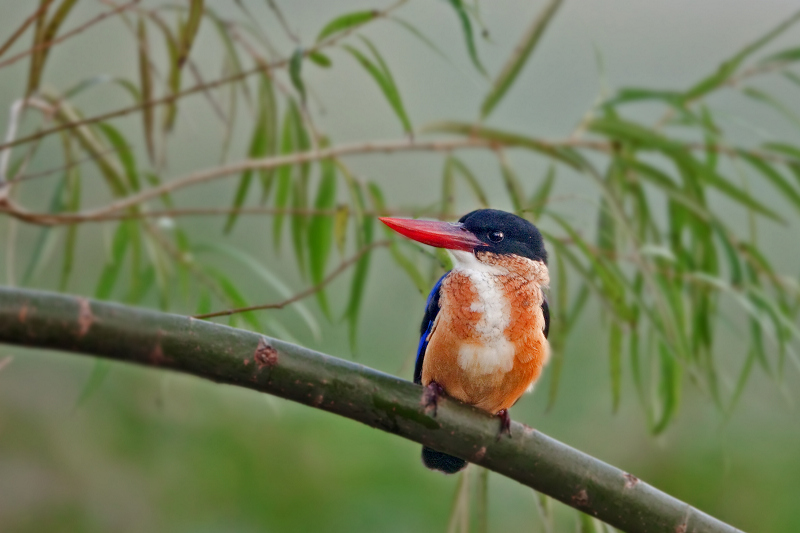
247	359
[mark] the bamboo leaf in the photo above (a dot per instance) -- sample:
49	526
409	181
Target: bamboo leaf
295	73
190	30
669	388
774	177
519	57
361	270
120	244
541	195
383	77
340	227
402	261
123	152
471	180
44	243
320	231
615	363
507	139
766	98
469	38
513	186
258	148
284	176
235	296
345	22
146	84
100	370
421	36
264	274
320	59
448	190
729	67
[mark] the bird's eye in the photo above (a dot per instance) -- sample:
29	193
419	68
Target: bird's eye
495	236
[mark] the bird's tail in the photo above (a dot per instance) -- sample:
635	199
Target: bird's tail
441	461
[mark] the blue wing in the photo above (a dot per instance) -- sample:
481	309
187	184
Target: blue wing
431	310
546	313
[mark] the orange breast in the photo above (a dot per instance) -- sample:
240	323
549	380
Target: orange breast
487	346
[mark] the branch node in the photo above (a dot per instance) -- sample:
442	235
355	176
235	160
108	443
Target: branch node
265	355
85	317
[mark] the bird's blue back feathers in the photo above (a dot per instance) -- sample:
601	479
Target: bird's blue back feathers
431	310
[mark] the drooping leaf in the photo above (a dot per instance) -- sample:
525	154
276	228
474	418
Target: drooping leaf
772	175
259	146
519	57
119	246
189	30
466	26
471	180
541	195
345	22
284	176
124	153
295	73
729	67
146	84
320	230
383	77
320	59
507	139
669	388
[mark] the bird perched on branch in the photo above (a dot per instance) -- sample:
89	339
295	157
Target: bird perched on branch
484	333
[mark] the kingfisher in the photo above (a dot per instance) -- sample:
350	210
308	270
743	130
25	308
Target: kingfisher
483	338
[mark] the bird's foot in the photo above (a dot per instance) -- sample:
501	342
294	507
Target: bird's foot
430	398
505	423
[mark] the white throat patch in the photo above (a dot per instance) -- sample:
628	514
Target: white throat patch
495	353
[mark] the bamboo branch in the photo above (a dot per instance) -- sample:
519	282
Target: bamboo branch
237	357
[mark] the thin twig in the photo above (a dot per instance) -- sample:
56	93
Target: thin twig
285	25
24	26
307	292
67	35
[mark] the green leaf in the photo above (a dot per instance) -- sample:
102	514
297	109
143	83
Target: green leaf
146	84
119	246
541	195
466	26
421	36
295	73
729	67
383	77
320	231
359	280
100	370
471	180
267	276
124	153
507	139
513	186
284	176
346	22
766	98
236	297
189	30
320	59
259	145
44	244
615	363
773	176
669	388
448	190
519	57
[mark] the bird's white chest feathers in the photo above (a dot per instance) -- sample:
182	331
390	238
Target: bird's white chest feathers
493	352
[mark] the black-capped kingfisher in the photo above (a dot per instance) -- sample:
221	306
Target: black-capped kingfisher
484	333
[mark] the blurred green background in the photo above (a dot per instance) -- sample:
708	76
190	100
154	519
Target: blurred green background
154	451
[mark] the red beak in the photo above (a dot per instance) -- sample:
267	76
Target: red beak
434	233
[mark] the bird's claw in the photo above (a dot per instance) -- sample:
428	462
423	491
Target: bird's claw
430	398
505	423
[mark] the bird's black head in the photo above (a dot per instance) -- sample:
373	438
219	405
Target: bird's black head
484	230
505	233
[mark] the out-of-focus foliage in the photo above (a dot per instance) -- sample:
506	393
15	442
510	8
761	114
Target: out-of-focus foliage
666	257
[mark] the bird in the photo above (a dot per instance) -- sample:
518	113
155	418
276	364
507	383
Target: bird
483	337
